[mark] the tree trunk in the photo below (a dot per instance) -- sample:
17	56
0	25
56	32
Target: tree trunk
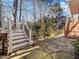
20	10
34	14
15	6
0	13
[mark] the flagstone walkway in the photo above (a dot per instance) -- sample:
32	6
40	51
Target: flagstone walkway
55	48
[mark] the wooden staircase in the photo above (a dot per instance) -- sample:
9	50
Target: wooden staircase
17	40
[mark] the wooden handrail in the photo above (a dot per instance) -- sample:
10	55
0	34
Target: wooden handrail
24	24
30	32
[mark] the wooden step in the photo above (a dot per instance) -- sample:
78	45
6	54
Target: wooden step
19	46
22	34
18	31
20	40
19	37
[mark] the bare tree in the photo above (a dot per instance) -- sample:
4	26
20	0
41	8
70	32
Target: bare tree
20	10
42	10
0	13
15	5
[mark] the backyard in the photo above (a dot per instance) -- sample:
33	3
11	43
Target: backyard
39	29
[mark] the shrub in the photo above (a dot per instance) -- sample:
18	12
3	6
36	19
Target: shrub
76	45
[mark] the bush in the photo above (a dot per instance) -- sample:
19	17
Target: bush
76	45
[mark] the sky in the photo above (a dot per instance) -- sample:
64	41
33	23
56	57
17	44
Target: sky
30	6
65	7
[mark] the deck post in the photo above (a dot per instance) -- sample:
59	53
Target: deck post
3	25
10	38
10	42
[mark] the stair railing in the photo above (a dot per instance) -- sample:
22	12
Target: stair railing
30	32
21	26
